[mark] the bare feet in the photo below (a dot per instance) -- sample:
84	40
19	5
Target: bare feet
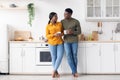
75	75
55	74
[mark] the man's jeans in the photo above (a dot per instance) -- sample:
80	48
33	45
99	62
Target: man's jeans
71	53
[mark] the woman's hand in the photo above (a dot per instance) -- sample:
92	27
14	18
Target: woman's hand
57	34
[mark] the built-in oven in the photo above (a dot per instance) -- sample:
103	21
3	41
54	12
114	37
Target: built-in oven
43	57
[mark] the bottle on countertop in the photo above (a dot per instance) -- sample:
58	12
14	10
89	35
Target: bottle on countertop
100	27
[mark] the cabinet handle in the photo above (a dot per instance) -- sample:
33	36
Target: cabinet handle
114	48
117	48
22	52
100	51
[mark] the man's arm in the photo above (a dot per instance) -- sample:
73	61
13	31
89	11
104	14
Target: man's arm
77	31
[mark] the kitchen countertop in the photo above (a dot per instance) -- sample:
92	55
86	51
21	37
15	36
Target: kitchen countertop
99	41
27	42
79	41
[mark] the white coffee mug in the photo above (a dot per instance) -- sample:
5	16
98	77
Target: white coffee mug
65	31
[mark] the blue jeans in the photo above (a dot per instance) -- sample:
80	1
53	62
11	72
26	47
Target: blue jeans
71	53
57	52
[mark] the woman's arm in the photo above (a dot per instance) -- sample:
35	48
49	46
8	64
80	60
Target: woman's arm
48	35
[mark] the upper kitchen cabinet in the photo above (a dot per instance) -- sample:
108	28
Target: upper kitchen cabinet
103	10
94	9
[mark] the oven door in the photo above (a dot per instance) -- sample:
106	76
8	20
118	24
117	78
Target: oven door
43	57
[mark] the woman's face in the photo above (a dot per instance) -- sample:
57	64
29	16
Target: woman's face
55	17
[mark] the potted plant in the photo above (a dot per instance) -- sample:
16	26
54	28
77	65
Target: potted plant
31	11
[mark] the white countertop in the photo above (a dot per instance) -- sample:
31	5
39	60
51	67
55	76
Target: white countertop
79	41
27	41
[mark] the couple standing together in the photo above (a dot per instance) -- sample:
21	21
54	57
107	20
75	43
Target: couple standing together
69	28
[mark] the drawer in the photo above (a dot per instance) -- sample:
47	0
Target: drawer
92	45
41	44
22	44
81	45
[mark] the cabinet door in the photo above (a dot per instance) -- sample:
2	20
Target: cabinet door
107	58
112	8
4	66
81	58
93	58
94	8
16	60
117	57
29	60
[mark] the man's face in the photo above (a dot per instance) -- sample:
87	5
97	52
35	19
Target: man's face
67	15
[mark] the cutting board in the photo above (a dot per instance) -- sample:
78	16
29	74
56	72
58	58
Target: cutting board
22	35
95	35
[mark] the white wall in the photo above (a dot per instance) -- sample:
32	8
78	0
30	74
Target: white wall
17	19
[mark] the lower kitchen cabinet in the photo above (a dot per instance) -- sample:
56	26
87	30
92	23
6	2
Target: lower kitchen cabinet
107	58
92	58
81	58
3	66
117	57
16	60
22	60
29	60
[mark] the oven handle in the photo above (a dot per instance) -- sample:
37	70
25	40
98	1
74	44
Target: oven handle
43	49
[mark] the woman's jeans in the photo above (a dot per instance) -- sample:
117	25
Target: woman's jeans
71	53
57	52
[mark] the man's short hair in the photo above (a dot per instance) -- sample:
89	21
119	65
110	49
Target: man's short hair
69	10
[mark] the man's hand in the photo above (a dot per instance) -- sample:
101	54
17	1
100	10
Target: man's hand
69	31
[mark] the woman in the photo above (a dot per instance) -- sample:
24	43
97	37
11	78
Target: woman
54	33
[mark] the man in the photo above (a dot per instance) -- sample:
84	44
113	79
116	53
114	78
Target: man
72	29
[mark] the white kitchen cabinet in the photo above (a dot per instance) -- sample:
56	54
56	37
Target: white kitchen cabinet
16	60
81	58
117	57
4	66
94	9
93	58
28	60
22	59
103	10
107	58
